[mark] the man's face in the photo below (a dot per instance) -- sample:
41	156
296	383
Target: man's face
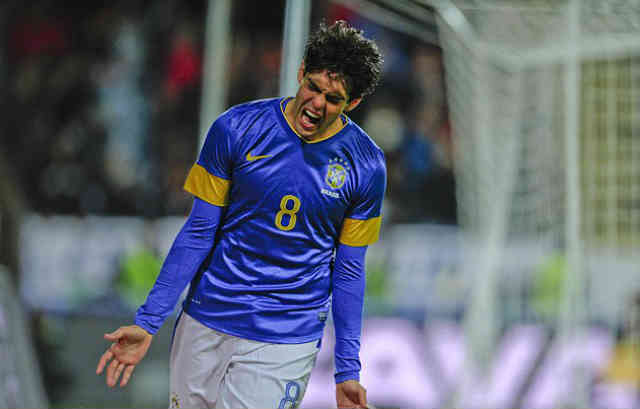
319	101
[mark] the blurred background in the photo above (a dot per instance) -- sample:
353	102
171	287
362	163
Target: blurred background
507	274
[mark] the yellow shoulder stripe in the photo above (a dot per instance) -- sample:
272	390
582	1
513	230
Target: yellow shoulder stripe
359	233
207	187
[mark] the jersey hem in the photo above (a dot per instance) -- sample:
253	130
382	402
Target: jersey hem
239	334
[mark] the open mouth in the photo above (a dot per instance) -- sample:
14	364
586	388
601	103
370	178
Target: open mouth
310	119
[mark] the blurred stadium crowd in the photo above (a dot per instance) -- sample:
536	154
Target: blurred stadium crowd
102	115
103	103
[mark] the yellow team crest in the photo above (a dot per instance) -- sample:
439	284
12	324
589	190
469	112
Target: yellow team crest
337	173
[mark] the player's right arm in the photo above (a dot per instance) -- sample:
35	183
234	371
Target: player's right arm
190	248
209	183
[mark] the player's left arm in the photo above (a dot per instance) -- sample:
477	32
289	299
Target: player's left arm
360	228
348	286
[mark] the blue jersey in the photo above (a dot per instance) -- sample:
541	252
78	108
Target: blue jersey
288	203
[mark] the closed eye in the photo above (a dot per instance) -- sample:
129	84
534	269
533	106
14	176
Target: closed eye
332	99
313	87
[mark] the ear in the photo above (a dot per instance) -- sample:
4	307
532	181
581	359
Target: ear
301	72
352	104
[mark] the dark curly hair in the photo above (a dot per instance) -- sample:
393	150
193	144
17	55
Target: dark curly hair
343	50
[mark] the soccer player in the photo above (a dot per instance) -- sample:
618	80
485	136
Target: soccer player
287	197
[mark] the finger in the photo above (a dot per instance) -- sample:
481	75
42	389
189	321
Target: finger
362	397
111	371
119	370
115	349
127	375
103	361
115	335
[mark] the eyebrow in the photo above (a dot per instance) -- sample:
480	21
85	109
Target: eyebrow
333	95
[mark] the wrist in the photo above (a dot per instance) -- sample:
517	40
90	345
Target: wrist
146	332
347	376
149	330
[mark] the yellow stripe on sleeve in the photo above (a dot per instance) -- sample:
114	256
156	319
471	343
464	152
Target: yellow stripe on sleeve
360	232
207	187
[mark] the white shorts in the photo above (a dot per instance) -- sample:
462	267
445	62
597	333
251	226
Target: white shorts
209	369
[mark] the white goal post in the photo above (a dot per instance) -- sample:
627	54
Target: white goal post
544	98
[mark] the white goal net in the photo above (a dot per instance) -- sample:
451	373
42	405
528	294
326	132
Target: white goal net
545	108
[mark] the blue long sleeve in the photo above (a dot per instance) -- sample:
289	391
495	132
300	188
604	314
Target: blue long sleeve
348	298
190	248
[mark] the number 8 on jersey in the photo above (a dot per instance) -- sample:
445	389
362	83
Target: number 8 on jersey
291	212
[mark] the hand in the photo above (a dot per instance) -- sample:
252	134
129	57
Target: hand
350	394
130	345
